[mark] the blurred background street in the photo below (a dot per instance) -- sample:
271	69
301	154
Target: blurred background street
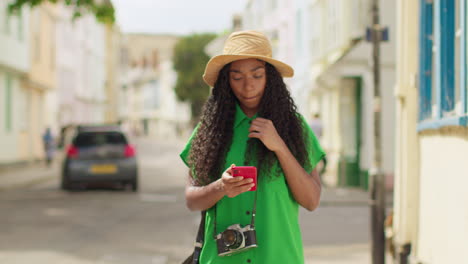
103	224
98	97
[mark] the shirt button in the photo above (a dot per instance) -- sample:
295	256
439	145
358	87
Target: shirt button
247	212
249	261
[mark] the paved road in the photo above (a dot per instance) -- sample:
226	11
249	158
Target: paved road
42	224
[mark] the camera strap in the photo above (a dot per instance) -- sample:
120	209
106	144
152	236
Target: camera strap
252	221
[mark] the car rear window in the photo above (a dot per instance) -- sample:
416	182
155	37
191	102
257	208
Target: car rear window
89	139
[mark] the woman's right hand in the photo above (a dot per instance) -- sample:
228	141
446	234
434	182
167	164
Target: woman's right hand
233	186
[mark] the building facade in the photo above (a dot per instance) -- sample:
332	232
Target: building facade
148	102
81	69
41	81
275	18
325	43
342	90
113	71
15	98
430	222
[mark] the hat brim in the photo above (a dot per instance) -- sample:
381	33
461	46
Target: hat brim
217	63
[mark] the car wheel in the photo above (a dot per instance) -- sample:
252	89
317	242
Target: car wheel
134	183
65	184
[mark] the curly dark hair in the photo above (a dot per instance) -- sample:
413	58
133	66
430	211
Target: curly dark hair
214	135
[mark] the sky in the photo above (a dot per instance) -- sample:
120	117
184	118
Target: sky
180	17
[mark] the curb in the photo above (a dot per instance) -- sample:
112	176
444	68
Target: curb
27	183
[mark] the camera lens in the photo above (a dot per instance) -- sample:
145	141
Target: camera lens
232	238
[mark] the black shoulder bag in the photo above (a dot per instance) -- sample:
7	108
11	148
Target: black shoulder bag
194	258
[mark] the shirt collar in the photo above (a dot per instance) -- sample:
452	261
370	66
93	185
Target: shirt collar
240	116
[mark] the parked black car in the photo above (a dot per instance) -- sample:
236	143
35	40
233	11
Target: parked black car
99	153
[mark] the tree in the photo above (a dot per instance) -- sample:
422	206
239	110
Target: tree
189	63
102	9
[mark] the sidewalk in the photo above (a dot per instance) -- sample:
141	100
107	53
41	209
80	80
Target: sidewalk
352	254
349	196
26	175
29	175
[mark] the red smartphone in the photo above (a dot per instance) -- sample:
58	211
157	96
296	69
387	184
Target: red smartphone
246	172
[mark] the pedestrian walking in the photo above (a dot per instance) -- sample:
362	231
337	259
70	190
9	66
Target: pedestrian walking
48	141
250	119
317	127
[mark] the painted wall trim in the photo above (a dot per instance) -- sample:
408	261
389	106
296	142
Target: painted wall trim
444	122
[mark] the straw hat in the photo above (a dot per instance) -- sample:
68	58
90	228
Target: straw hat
244	45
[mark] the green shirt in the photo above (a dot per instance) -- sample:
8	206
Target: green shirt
276	222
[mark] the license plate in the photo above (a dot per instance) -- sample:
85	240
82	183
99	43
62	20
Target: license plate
103	169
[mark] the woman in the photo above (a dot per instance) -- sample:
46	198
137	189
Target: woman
250	119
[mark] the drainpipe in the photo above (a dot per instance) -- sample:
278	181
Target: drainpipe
377	187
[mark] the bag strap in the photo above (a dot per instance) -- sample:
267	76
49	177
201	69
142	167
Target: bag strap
200	238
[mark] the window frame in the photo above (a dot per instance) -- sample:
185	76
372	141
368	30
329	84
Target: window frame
8	125
443	14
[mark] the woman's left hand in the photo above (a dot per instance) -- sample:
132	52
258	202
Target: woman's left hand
265	130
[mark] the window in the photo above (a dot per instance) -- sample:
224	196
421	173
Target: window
299	32
20	25
333	24
442	65
23	103
7	22
52	46
457	110
8	103
316	30
90	139
35	28
426	61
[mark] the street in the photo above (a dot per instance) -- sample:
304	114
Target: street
42	224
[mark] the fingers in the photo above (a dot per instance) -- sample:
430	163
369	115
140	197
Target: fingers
234	186
231	181
260	120
255	135
234	191
255	128
237	181
229	170
259	124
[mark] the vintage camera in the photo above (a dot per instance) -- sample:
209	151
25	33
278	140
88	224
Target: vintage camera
236	239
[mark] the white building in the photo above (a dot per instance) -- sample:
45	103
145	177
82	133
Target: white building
81	68
148	102
342	90
14	65
430	223
276	19
324	41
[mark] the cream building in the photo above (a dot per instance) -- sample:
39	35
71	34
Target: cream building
324	41
276	19
17	102
341	88
114	69
81	69
148	102
41	81
430	223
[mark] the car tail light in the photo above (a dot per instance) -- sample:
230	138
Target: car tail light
72	151
129	151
